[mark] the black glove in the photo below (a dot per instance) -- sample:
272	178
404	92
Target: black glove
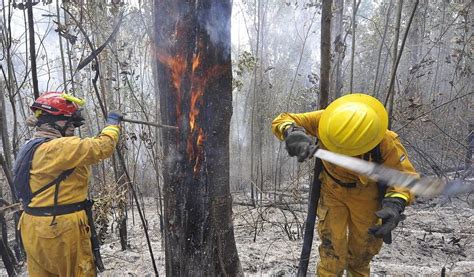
391	215
114	118
298	143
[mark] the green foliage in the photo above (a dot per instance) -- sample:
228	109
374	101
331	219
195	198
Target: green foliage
245	64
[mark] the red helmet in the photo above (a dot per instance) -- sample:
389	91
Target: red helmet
57	103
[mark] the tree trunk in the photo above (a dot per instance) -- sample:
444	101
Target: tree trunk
338	48
325	53
195	80
391	92
470	147
7	165
31	32
7	255
354	12
382	42
5	138
389	98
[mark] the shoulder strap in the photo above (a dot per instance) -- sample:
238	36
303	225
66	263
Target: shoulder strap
56	181
376	154
22	173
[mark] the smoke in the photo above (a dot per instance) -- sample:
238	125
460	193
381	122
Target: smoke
216	19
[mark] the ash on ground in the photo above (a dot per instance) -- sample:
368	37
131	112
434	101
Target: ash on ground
435	236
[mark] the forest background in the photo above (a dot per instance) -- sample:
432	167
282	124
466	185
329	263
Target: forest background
275	63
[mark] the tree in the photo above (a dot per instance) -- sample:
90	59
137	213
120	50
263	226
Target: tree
338	48
325	53
192	46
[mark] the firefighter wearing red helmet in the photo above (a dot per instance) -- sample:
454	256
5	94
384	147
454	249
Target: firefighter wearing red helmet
51	175
57	103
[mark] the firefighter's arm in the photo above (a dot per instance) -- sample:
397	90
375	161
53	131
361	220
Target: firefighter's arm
309	121
82	152
396	157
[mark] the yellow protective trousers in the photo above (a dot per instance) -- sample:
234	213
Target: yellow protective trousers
345	215
62	249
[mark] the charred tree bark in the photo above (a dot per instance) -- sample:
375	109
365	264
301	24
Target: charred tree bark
7	255
31	32
192	46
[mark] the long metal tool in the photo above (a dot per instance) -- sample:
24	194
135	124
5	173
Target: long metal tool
310	220
422	186
149	123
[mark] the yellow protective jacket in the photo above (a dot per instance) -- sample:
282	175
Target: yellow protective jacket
57	155
393	153
63	248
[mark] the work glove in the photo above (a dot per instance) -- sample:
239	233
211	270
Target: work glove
391	215
298	143
114	118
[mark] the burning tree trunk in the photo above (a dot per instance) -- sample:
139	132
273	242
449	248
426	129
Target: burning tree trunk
192	46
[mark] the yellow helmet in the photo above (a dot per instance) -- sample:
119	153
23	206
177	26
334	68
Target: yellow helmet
353	124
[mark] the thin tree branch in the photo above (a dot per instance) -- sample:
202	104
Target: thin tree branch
394	72
433	109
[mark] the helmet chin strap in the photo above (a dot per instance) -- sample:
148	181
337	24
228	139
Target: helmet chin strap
52	121
61	130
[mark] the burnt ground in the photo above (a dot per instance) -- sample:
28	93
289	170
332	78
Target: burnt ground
433	237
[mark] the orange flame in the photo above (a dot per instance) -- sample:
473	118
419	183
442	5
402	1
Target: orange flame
196	61
197	92
200	156
196	138
179	69
177	65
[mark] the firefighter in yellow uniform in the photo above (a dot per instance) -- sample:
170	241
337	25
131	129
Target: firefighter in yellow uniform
54	226
353	219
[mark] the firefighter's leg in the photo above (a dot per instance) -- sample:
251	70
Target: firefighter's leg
362	246
35	269
80	262
85	260
62	249
332	229
31	242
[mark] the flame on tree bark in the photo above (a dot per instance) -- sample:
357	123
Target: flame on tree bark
192	48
